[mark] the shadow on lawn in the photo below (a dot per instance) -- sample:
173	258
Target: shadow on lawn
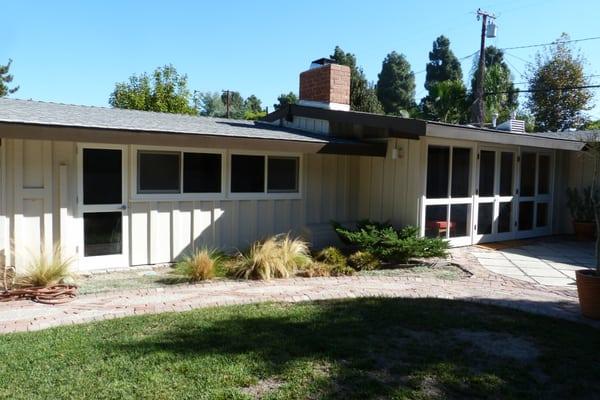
372	348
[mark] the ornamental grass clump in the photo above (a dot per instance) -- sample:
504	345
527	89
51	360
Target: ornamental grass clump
335	260
45	269
276	257
199	266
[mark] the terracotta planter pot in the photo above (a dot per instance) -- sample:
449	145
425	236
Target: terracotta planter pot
588	289
584	230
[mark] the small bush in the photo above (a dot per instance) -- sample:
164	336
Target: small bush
363	261
315	269
199	266
331	255
277	257
46	269
391	245
341	270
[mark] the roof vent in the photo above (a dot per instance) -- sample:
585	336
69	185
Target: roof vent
512	125
320	62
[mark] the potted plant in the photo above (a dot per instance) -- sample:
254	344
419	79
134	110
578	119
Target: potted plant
588	280
582	212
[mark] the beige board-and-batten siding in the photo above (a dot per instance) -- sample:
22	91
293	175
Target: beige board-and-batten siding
39	204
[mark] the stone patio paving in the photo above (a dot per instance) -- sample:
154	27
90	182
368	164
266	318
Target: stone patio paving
550	262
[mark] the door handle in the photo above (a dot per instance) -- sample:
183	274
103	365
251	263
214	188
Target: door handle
123	207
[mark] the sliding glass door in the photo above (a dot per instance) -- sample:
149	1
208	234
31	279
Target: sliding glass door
535	199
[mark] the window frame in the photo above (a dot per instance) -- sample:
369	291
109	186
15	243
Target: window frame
173	196
265	194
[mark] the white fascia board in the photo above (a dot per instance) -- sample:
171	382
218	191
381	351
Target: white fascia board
506	138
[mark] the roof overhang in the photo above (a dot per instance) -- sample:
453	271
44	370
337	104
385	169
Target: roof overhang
498	137
18	130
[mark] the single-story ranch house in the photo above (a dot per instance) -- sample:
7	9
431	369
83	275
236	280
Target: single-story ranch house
121	188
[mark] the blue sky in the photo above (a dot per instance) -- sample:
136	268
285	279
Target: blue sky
75	51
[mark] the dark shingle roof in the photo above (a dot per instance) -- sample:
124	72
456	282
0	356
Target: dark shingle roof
56	114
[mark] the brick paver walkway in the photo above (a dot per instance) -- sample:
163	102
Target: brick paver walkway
483	286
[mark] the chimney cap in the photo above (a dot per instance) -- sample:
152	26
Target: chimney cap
321	61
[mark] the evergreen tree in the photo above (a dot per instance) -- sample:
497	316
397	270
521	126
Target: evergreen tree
362	93
555	109
396	85
443	64
253	103
5	79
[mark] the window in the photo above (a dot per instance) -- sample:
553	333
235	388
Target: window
158	172
282	174
438	162
487	172
528	174
544	174
201	173
247	174
102	176
461	163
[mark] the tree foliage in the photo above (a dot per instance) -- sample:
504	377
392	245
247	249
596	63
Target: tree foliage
554	108
443	64
362	93
285	99
396	85
164	91
209	104
446	99
214	104
501	96
5	79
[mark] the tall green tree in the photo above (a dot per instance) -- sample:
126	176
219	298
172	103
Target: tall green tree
253	103
553	107
5	79
362	93
236	104
501	96
164	91
443	64
396	85
209	104
284	99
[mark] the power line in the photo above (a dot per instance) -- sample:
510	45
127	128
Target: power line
551	43
585	76
564	88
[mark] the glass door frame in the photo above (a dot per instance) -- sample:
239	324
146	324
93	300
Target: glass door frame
547	198
112	260
449	201
497	198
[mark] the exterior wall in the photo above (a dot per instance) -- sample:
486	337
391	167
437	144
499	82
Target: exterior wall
578	173
39	204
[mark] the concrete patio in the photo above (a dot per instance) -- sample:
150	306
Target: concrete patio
550	262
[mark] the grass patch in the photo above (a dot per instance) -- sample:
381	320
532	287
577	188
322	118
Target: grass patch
351	349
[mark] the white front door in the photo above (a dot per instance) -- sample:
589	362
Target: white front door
102	216
495	195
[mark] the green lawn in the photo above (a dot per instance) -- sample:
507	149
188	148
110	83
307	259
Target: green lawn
363	349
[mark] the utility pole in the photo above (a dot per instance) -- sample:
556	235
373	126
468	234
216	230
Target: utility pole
478	107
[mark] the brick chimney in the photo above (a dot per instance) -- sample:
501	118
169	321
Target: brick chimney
326	85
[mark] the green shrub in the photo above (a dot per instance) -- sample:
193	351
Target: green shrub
199	266
277	257
581	205
332	256
363	261
341	270
390	245
315	269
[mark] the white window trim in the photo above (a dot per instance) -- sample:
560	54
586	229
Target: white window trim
142	197
265	194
